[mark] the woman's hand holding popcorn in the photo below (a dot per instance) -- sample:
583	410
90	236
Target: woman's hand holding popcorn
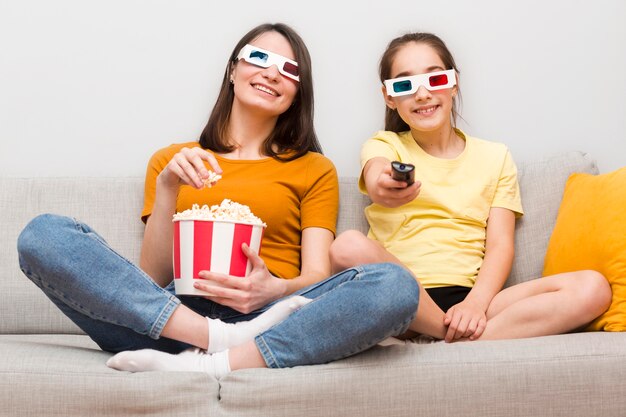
188	167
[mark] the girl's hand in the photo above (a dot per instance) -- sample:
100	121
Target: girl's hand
188	167
383	189
464	320
244	294
391	193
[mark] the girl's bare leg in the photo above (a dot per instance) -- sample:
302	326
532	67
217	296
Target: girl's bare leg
551	305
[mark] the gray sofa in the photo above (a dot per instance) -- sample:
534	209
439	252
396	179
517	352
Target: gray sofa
49	368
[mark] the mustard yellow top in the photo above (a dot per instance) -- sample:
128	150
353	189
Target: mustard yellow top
287	196
440	236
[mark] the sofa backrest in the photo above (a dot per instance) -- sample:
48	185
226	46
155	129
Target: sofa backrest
542	183
112	206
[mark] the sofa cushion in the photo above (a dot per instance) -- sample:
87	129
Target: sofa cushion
66	375
110	205
566	375
352	204
590	233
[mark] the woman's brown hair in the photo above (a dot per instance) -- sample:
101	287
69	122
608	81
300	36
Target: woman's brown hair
393	121
294	133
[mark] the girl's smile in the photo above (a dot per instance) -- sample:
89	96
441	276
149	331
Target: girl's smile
426	111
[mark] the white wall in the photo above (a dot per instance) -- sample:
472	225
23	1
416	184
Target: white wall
94	87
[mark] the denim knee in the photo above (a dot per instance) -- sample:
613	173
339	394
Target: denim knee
405	291
33	243
396	287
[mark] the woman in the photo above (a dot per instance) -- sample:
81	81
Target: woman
260	138
453	227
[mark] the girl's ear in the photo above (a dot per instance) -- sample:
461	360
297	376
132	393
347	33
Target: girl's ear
455	89
388	100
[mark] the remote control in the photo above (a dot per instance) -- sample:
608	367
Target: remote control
401	171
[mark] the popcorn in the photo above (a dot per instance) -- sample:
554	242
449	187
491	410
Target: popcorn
212	179
210	239
228	210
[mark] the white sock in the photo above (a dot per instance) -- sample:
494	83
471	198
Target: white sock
226	335
190	360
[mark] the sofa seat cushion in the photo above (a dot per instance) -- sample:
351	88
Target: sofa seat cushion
565	375
66	375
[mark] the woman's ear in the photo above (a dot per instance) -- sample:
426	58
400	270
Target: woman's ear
388	100
231	71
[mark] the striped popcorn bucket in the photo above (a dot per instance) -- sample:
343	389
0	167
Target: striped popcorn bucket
211	245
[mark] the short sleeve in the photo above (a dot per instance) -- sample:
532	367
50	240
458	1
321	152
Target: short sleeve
320	202
378	146
156	164
507	191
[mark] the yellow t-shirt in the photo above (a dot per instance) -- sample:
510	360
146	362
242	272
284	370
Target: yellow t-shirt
440	236
287	196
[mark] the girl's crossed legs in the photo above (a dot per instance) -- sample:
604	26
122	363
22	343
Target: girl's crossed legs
550	305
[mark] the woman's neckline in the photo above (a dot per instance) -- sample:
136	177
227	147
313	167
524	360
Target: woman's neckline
241	160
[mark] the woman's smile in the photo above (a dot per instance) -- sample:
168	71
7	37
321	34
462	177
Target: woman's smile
266	89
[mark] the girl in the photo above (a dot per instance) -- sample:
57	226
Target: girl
453	227
260	138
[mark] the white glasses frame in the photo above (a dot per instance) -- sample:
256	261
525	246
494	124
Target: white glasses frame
419	80
272	59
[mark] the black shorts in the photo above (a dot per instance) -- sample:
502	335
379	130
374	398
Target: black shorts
446	297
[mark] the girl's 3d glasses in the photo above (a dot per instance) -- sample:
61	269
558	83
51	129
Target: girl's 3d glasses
409	85
265	59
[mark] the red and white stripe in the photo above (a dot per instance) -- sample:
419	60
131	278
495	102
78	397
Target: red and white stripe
213	246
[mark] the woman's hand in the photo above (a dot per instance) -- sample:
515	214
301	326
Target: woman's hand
383	189
465	320
188	167
244	294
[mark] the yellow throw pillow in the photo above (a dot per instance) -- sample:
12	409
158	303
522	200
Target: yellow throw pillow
590	233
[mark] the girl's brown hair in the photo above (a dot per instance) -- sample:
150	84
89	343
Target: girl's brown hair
294	133
393	121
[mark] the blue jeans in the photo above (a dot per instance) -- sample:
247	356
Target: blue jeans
121	308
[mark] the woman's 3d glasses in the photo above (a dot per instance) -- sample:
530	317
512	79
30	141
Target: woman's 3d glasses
409	85
265	59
